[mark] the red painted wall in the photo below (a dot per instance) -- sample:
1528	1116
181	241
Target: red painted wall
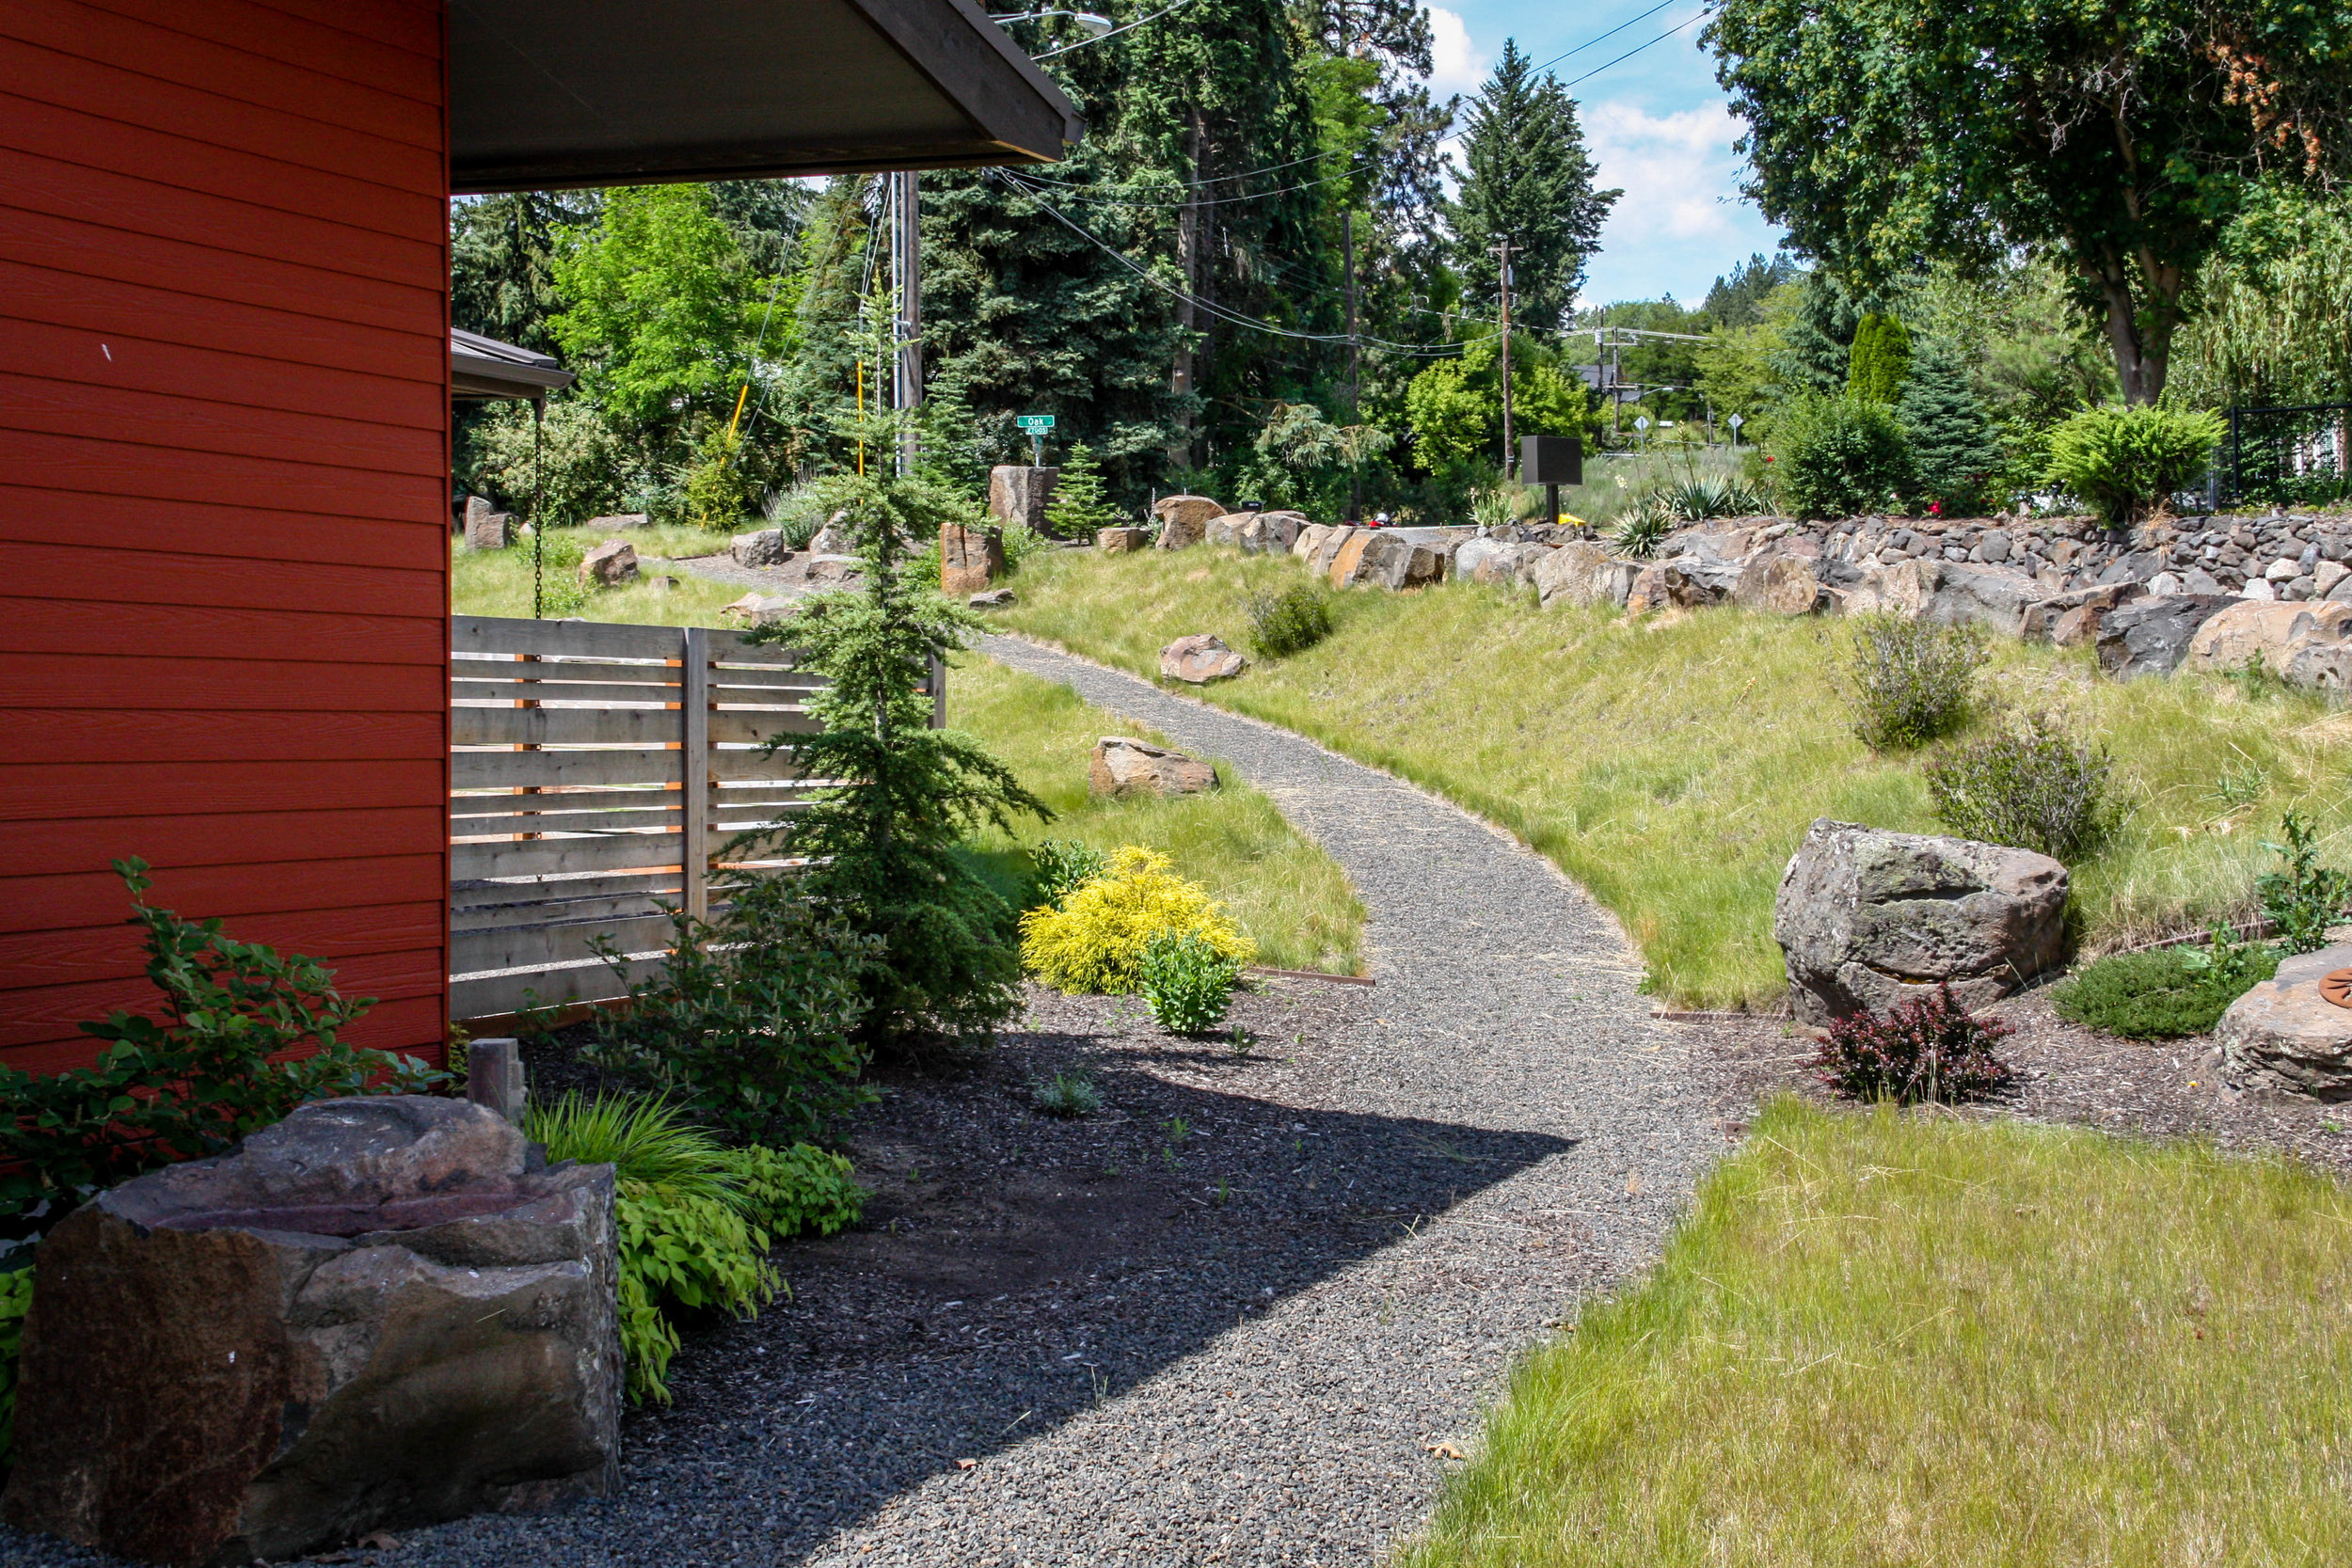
224	595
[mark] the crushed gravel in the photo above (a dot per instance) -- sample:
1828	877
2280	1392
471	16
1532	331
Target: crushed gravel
1248	1312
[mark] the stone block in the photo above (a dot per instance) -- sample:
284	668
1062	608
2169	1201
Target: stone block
617	522
1120	541
378	1314
1309	539
1869	919
996	598
1183	519
1018	493
486	529
2284	1034
2270	633
610	563
494	1076
1125	765
969	557
2150	636
762	548
1785	584
1327	549
1200	659
1578	572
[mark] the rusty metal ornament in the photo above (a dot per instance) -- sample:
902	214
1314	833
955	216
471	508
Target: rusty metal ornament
2337	988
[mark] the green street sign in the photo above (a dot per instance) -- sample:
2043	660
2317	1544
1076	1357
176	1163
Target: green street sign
1035	425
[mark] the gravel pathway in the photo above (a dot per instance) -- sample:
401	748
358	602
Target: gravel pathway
1424	1177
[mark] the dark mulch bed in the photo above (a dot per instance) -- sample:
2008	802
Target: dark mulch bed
2068	1073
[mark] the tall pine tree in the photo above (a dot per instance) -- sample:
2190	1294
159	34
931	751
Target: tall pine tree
1527	179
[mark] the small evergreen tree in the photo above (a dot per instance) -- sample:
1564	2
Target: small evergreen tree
885	851
1953	453
1077	506
1880	360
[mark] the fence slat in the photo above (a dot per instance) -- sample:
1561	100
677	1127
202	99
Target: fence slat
562	726
542	911
695	743
548	667
729	725
544	857
553	942
491	995
566	692
511	770
491	634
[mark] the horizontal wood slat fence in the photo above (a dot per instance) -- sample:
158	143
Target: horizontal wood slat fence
595	772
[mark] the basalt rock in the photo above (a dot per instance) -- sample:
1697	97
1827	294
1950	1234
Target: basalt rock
969	557
1869	919
611	563
380	1313
2284	1034
1125	765
1199	659
1185	519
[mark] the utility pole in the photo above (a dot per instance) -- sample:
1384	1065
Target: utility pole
1502	273
1355	359
906	254
1188	240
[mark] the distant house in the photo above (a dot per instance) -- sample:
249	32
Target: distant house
225	367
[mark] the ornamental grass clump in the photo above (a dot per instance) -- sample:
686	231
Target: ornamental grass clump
1927	1049
1188	982
2032	787
1095	940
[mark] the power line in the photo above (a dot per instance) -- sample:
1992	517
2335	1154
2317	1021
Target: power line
1638	48
1211	179
1602	37
1087	192
1112	34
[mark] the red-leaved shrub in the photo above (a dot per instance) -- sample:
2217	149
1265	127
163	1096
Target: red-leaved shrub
1930	1048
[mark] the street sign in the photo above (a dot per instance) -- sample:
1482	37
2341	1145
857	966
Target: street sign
1035	425
1735	422
1641	422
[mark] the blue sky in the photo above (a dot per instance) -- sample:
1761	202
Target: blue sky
1657	122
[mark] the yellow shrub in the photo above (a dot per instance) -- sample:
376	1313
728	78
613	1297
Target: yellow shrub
1094	938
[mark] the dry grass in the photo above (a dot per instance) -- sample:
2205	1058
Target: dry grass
497	582
1882	1339
1292	898
1672	764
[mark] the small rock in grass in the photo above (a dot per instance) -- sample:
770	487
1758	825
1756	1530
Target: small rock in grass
993	598
613	562
1125	765
1200	659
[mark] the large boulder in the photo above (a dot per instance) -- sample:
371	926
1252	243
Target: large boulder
1578	572
1200	659
968	558
1327	552
380	1313
1778	582
1499	561
2150	636
486	528
1378	558
1996	597
1125	766
2285	1034
1226	529
2321	667
1309	539
1904	588
1868	919
1017	493
610	563
1271	532
2272	635
1185	519
2059	618
762	548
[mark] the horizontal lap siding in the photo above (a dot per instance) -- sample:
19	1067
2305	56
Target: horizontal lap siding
224	590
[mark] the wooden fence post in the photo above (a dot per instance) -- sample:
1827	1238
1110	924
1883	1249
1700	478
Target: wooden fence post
694	815
939	692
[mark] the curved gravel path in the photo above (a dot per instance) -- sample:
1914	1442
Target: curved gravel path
1505	1042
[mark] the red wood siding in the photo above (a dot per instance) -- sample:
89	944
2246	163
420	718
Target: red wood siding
224	480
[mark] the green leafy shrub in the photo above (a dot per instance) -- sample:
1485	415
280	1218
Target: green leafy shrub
2126	462
2032	787
694	1220
1021	542
190	1082
1840	456
752	1017
16	1299
1927	1049
1094	941
1188	983
2306	897
1068	1095
1064	865
2168	991
1879	360
1909	682
1288	623
573	463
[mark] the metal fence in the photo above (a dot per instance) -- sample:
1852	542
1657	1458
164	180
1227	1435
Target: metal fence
2289	455
595	772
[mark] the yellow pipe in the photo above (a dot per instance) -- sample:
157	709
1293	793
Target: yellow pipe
860	416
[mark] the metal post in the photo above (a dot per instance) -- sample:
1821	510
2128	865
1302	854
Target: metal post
906	248
694	774
939	692
1502	277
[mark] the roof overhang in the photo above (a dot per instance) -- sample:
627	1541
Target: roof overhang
483	367
550	94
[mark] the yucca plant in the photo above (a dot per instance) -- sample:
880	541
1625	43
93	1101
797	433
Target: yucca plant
1643	525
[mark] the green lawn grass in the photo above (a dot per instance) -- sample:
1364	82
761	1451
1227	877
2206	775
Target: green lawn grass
1290	897
1886	1339
1670	764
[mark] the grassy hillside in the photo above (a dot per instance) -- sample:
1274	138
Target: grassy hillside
1883	1338
1670	764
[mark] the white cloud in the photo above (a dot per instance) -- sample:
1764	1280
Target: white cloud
1677	170
1457	64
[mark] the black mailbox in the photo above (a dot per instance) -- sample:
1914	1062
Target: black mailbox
1551	460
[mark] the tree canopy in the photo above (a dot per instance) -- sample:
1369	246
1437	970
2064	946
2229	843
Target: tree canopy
2117	138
